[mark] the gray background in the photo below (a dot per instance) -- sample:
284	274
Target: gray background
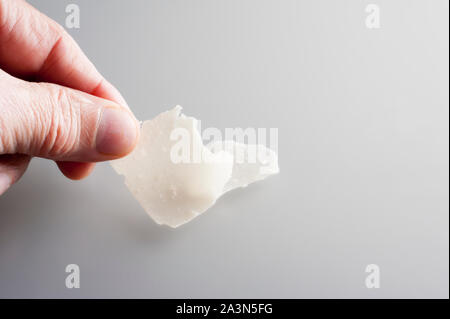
363	143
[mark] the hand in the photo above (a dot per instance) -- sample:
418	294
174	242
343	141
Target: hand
53	102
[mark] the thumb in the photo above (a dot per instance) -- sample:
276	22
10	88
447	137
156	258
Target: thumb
58	123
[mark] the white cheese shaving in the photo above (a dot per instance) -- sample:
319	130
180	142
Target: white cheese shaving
174	192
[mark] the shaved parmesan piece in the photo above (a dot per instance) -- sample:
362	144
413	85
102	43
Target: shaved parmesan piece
173	190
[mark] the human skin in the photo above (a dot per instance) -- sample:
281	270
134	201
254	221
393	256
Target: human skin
54	104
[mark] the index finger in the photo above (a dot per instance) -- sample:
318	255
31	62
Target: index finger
33	46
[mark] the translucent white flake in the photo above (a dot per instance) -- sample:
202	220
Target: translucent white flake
173	193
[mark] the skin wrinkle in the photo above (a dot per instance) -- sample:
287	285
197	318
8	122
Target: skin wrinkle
16	134
59	101
98	86
5	138
3	15
39	119
62	48
71	140
70	72
32	122
10	33
38	48
19	93
8	136
51	134
40	33
72	69
44	68
62	135
99	115
79	125
97	124
71	116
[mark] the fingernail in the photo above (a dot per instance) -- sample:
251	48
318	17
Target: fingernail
117	132
5	182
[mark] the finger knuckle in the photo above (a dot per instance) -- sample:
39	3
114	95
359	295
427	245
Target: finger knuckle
8	131
6	142
60	124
